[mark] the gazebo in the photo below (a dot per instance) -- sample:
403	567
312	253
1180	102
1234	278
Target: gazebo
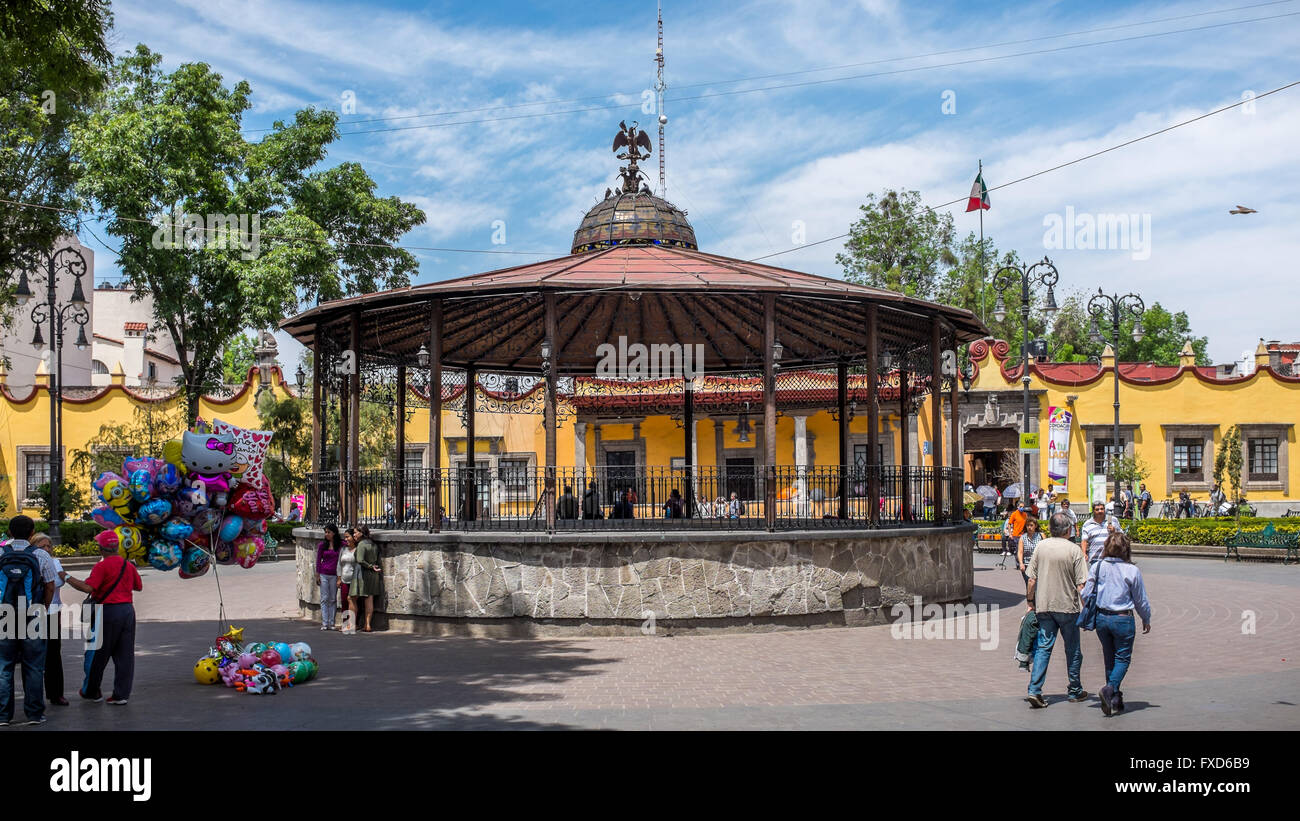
537	338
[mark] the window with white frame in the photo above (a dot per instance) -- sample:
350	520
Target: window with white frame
37	472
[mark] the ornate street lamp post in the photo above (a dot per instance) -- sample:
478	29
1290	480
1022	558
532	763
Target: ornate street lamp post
1040	273
68	261
1113	307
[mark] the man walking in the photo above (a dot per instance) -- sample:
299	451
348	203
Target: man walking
1057	572
1095	531
111	583
26	574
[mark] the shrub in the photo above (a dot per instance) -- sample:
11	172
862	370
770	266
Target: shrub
1201	531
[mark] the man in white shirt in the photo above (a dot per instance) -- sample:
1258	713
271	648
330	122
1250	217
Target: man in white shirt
1092	539
30	651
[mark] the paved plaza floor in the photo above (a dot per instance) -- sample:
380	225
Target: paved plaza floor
1196	670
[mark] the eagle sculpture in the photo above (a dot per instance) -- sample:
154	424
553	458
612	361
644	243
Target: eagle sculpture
633	138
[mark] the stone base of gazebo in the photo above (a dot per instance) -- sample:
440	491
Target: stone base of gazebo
600	583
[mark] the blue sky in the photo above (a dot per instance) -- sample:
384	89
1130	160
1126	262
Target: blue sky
752	168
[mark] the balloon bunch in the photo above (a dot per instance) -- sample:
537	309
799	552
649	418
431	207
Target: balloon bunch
257	667
205	500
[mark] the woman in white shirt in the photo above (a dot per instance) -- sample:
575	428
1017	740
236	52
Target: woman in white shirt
347	573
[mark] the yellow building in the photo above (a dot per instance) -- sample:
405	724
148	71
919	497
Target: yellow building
1171	417
25	423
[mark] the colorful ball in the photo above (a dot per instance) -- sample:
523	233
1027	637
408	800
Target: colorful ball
301	651
301	672
256	648
270	658
206	671
285	651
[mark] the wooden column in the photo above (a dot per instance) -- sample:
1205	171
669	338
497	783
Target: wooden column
400	502
936	415
469	487
550	419
842	402
312	513
955	451
769	410
345	416
435	416
688	422
354	431
904	458
873	413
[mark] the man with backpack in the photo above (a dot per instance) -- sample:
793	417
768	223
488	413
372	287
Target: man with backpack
26	581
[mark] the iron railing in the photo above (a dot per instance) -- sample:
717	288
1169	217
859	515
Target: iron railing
631	498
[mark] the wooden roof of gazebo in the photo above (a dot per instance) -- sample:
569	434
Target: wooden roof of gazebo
646	293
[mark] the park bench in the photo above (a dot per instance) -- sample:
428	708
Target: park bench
1291	513
1267	538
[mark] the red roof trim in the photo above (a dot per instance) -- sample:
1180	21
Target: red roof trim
1059	373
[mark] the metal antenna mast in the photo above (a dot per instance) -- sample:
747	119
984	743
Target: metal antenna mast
660	86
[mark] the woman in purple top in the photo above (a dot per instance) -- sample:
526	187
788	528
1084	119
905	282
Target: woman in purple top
327	578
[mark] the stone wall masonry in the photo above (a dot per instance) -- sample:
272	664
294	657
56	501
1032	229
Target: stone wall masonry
530	584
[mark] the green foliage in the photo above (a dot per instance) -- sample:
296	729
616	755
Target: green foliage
282	531
288	461
1228	464
1201	531
53	58
166	146
1130	470
77	538
887	248
237	358
1164	334
72	499
899	245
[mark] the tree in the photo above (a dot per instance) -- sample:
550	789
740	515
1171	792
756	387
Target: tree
288	461
898	244
1228	464
1164	335
72	500
1130	470
169	148
53	59
237	358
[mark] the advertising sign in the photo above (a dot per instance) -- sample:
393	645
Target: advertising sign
1058	448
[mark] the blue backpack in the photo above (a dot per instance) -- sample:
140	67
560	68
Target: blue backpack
20	575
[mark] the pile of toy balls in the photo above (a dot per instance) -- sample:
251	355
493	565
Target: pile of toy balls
257	667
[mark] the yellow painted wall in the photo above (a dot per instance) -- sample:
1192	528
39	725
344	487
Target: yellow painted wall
1261	398
25	422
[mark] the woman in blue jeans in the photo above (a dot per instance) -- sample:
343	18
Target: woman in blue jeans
1120	593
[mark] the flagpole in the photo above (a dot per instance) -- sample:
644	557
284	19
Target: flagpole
984	297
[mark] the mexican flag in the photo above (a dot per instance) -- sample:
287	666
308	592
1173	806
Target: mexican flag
979	195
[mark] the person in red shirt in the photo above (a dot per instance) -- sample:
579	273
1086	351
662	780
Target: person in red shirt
111	583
